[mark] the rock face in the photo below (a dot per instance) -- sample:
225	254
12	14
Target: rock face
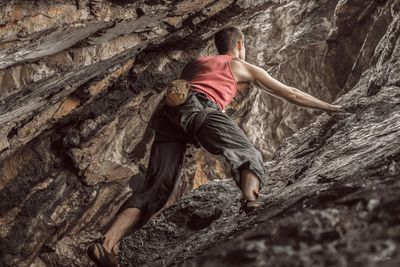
331	200
80	79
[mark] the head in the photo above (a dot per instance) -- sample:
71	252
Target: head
230	40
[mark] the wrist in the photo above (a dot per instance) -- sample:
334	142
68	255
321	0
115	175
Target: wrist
328	107
336	108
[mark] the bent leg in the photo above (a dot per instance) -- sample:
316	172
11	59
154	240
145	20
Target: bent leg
123	224
221	136
164	168
249	184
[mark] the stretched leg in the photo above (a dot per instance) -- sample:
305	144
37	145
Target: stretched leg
123	224
221	136
165	165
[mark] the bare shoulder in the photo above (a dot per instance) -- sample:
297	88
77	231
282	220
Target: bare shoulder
237	63
241	69
243	65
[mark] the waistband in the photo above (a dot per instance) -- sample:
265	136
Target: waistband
204	100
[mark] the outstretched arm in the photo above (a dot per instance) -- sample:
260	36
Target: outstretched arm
244	71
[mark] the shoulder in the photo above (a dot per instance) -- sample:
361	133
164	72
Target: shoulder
236	62
240	64
243	70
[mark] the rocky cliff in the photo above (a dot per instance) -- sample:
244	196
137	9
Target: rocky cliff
80	79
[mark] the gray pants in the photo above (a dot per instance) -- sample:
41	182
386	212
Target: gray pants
174	128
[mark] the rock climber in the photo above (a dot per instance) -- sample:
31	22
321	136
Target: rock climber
200	120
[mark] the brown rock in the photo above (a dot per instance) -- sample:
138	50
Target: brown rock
80	79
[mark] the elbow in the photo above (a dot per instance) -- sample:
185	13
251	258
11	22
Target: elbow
294	100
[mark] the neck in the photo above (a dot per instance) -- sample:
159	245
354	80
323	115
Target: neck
232	53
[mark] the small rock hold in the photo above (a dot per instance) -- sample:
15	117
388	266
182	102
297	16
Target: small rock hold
372	204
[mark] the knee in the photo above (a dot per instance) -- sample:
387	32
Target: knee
257	154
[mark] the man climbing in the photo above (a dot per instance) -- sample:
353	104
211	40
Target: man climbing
200	120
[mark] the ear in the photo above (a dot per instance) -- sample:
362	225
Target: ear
239	45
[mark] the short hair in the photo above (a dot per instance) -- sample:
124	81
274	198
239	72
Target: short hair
227	38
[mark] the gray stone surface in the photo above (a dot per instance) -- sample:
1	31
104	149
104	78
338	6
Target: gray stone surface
79	80
331	199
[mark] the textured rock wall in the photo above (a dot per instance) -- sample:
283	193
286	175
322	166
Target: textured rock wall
333	187
79	80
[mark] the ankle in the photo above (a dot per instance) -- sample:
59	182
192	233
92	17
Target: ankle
256	194
251	196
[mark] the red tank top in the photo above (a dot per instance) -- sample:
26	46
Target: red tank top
212	75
